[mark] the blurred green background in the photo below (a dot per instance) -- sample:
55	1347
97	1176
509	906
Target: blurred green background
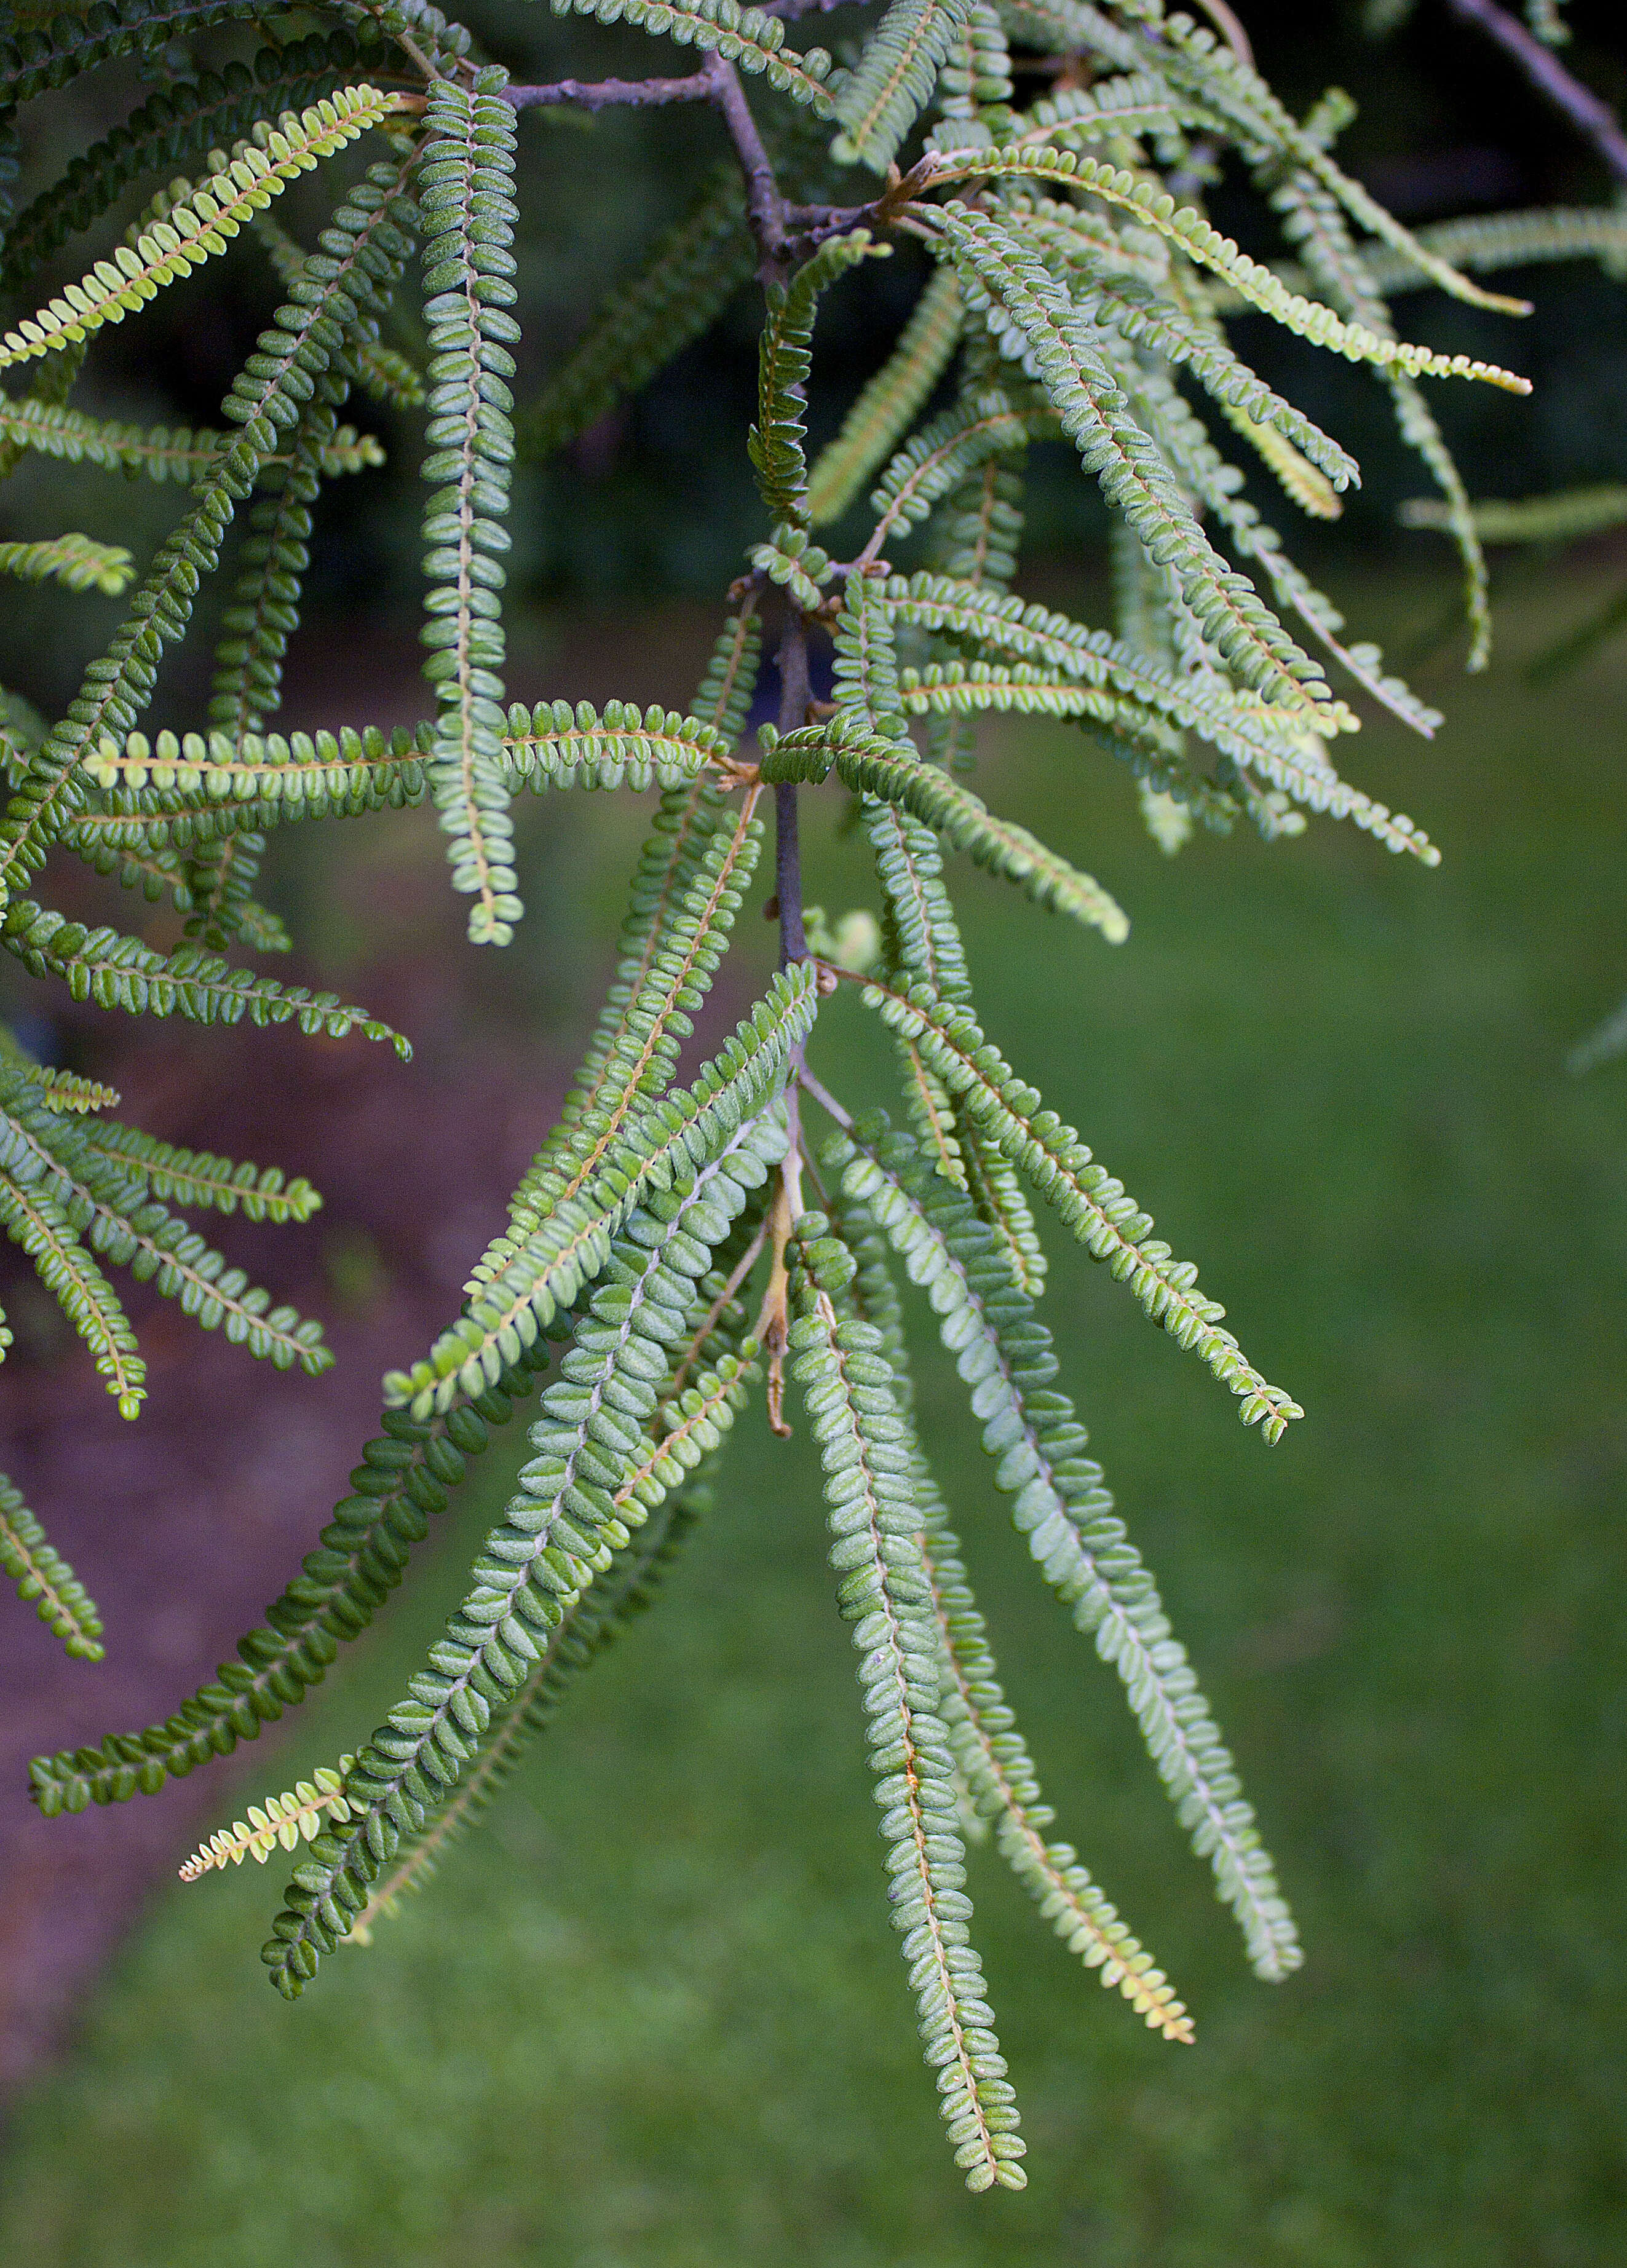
653	2017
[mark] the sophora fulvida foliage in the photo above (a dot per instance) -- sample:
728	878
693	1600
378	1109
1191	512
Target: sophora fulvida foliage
681	1243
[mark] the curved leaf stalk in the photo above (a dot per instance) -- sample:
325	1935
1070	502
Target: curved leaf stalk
200	223
175	126
879	101
69	1183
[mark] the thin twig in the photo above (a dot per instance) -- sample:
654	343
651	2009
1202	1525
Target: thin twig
1590	115
605	94
765	208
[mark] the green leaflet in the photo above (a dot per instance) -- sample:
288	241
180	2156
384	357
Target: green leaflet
890	401
248	666
879	100
1315	220
1490	241
1058	26
265	609
724	700
155	453
754	42
55	53
1003	1354
1131	304
695	269
1094	1206
65	1186
785	358
926	941
1258	286
658	1146
626	1588
1237	95
686	893
994	1763
121	972
44	1578
975	535
190	789
1132	103
192	1177
925	946
867	665
1530	519
33	1218
667	892
873	766
405	1477
938	461
974	84
990	1751
174	127
383	372
1126	692
1025	305
884	1592
792	560
65	1090
464	191
76	561
579	1504
266	395
200	223
558	745
276	1821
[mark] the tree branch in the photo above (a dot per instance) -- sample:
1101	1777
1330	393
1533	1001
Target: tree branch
605	94
1590	115
765	208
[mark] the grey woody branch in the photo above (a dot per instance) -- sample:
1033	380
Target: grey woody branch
1590	115
612	94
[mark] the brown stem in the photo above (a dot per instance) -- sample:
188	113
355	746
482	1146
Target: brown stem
1587	112
765	208
604	93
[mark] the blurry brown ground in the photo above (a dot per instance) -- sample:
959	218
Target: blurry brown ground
186	1523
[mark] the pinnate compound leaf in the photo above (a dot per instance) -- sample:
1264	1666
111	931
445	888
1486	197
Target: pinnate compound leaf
45	1580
